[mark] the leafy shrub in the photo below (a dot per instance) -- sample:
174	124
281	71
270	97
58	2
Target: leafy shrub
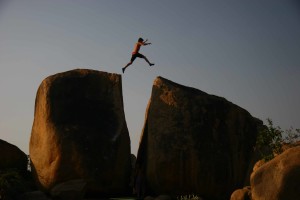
292	136
274	138
271	137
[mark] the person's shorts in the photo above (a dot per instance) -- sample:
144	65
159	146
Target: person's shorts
134	56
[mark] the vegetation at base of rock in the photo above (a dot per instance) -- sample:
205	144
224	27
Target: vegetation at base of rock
274	137
11	184
189	197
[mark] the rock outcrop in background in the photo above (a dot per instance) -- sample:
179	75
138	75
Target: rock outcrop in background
80	133
194	143
12	157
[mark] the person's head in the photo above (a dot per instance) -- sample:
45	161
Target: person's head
141	40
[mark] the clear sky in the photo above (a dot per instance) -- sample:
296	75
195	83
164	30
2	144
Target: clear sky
246	51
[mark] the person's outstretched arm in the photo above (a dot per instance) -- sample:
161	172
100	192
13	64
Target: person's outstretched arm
146	43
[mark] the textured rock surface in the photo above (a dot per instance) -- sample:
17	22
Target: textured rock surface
79	132
279	178
70	190
241	194
193	143
35	195
12	157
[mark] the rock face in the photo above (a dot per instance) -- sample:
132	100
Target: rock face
193	143
241	194
70	190
12	157
79	132
279	178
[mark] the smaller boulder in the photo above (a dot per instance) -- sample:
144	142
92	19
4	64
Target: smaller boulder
279	178
241	194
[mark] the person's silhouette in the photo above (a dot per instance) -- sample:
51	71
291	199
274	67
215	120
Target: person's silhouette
136	53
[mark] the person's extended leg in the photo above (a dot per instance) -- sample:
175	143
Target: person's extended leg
148	61
133	57
123	69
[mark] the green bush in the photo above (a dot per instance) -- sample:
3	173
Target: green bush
292	136
274	138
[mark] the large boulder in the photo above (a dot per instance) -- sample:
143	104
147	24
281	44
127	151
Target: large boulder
79	132
193	143
11	157
279	178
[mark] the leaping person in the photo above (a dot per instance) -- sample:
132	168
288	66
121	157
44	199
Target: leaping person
136	53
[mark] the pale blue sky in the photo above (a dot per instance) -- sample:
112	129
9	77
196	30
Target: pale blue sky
246	51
